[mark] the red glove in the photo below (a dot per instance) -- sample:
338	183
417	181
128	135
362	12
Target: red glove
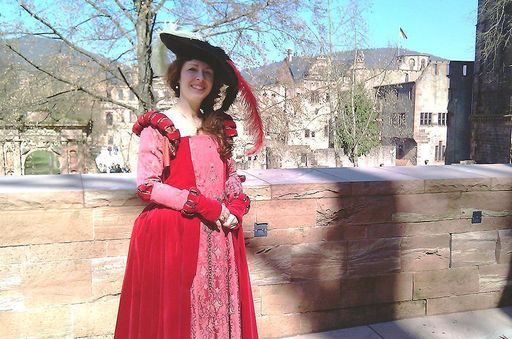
197	203
239	205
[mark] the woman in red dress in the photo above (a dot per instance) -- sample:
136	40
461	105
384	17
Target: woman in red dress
186	274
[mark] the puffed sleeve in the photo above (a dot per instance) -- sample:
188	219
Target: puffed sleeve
150	166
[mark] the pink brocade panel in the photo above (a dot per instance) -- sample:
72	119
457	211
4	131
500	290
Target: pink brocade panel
215	292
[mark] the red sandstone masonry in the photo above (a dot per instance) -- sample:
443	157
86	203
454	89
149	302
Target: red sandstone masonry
345	247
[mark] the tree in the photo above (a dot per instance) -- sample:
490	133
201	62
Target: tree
496	34
113	39
351	103
357	131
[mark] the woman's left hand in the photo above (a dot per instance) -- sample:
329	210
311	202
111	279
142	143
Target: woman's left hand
231	222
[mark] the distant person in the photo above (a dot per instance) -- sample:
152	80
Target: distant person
186	274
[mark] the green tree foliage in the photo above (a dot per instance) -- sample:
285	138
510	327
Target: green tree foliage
357	131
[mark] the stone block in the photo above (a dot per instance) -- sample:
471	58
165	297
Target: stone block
41	200
354	210
491	203
11	296
463	303
299	297
376	289
262	192
457	185
494	278
334	233
286	236
473	248
117	248
281	298
425	207
45	322
45	226
94	319
443	283
310	190
103	198
387	187
269	264
501	183
114	222
320	321
389	230
373	256
55	283
286	213
318	261
66	251
504	247
13	254
275	326
107	276
363	315
425	253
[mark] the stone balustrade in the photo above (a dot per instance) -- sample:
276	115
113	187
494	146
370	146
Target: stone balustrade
345	247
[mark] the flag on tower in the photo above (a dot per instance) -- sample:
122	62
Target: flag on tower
402	33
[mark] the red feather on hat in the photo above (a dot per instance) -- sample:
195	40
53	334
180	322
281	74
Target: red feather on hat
254	123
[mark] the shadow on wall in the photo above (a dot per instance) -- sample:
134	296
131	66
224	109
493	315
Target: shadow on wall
343	252
332	258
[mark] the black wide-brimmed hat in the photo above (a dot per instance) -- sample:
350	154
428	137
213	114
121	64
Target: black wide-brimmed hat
190	46
194	48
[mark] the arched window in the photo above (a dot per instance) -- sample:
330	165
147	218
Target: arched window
422	64
109	119
412	63
42	162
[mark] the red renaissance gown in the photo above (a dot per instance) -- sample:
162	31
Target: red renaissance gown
185	279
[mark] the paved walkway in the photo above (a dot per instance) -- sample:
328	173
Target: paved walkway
493	323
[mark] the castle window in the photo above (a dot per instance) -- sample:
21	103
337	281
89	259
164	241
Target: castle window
464	70
399	119
315	97
109	119
412	63
441	119
426	118
440	150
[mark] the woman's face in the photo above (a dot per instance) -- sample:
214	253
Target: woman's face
196	80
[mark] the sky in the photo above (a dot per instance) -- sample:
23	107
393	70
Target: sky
444	28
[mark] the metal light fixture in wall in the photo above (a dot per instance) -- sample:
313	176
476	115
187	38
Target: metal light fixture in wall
260	229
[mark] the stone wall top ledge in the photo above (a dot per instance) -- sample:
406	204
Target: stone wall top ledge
266	179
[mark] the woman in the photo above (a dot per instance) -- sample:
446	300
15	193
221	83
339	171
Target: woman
186	274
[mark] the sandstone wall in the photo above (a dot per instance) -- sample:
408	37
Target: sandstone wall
345	247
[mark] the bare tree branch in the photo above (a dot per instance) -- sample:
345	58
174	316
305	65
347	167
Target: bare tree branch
116	23
66	41
70	83
126	12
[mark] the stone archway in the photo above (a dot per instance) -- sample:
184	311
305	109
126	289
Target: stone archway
41	162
